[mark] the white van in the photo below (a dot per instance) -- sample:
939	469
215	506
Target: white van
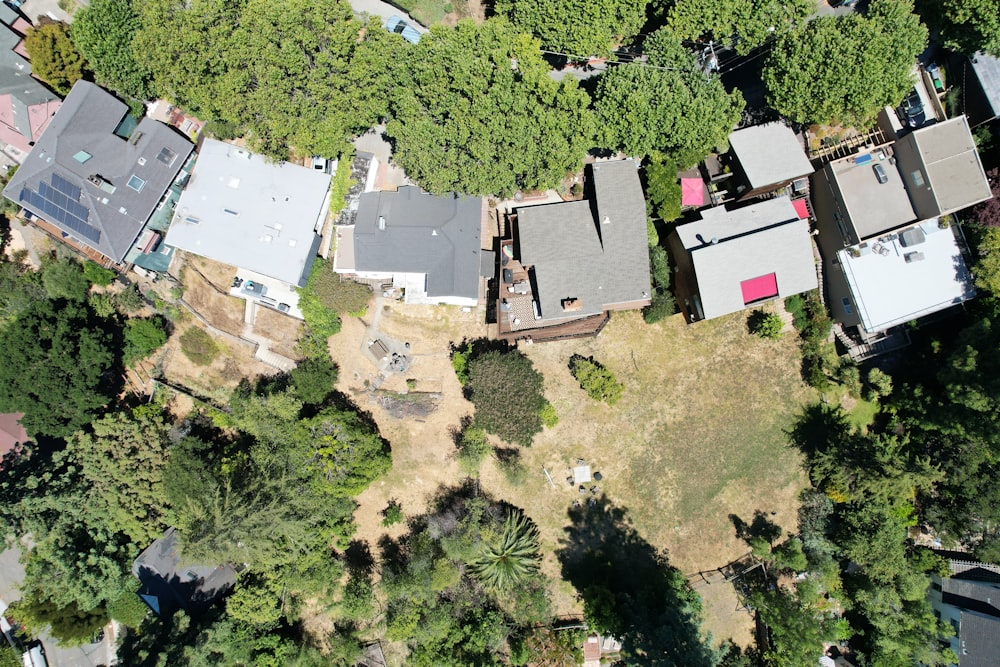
34	656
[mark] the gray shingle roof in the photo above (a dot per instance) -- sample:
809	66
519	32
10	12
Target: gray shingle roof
987	70
750	242
979	621
251	213
594	252
15	75
422	233
769	154
167	584
86	122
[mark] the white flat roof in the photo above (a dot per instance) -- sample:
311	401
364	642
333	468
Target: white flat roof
889	291
241	209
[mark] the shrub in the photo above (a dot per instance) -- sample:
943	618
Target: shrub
341	183
548	415
849	375
879	384
663	187
313	379
765	325
392	514
64	279
662	305
97	274
809	316
198	346
599	383
102	304
130	300
222	130
460	362
507	392
510	465
473	447
127	607
142	337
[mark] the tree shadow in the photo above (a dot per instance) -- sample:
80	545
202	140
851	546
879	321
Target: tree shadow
358	557
819	428
630	590
761	527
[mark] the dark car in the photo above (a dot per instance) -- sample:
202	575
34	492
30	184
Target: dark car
911	111
256	289
880	173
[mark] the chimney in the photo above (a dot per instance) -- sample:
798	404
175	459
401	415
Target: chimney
571	305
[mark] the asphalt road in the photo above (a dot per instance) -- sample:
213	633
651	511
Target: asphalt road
378	8
89	655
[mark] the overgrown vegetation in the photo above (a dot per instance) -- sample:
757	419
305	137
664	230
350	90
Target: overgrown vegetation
199	346
325	298
507	392
764	324
811	320
599	383
663	304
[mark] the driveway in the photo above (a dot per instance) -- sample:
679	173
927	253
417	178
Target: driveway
89	655
50	8
381	9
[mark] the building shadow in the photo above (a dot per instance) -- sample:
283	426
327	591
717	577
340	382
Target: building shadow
630	590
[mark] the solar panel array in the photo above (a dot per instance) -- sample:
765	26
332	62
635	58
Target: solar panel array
59	202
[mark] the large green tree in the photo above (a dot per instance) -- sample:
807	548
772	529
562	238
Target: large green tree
845	68
577	28
967	26
495	123
667	106
745	24
57	367
103	31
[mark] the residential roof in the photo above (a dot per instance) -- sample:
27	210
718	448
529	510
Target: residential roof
593	252
26	105
729	249
769	154
411	231
954	171
98	187
987	69
240	208
872	207
913	273
167	585
980	640
11	431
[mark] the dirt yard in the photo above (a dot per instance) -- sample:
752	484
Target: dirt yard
696	440
284	331
205	289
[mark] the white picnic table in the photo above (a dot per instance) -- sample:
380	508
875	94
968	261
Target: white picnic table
581	474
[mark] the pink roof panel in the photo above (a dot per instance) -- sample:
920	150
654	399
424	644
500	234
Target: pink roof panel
801	208
692	192
762	287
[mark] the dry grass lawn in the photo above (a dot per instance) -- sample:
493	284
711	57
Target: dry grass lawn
284	331
698	436
210	300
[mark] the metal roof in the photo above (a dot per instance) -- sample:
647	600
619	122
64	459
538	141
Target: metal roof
90	199
987	69
240	208
411	231
769	154
593	251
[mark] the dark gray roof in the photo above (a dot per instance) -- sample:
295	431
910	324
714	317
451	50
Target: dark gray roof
987	70
108	218
978	640
979	596
15	75
594	252
166	584
769	154
422	233
951	159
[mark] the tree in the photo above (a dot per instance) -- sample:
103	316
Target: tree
663	189
143	337
20	287
473	447
65	279
745	24
497	123
599	383
97	274
507	392
643	109
103	31
968	26
797	629
987	213
765	325
662	304
805	72
70	625
577	29
987	267
512	558
313	379
54	59
55	364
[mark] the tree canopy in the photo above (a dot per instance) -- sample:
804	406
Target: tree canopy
496	123
103	31
644	109
967	26
54	58
845	68
574	28
745	24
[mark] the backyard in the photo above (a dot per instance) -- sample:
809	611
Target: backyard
696	440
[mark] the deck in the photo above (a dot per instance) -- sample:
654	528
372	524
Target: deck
82	249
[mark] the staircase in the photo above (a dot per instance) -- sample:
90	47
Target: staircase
862	351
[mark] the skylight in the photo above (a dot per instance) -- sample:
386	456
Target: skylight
82	156
136	183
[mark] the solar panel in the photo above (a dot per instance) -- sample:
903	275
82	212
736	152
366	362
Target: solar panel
65	187
57	207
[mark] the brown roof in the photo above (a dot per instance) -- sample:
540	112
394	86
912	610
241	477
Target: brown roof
11	431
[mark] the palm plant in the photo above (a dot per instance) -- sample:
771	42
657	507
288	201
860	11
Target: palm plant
510	560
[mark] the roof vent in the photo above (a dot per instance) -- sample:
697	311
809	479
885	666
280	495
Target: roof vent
141	161
239	152
607	220
434	232
715	240
381	222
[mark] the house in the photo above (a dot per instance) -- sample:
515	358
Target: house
239	208
167	585
734	259
980	74
564	267
95	176
766	158
890	250
12	433
26	105
428	246
969	601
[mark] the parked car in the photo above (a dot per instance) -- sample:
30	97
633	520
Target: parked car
402	28
321	164
880	173
911	111
256	289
